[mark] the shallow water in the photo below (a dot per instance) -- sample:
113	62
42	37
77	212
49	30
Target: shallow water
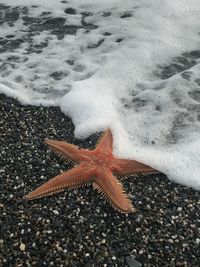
131	66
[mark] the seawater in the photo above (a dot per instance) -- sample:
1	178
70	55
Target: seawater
132	66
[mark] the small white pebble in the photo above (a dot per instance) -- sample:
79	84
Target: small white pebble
55	212
197	241
22	247
114	258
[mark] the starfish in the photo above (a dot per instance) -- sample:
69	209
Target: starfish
96	166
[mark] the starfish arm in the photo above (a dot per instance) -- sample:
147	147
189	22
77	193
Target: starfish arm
73	178
112	189
105	142
70	153
124	167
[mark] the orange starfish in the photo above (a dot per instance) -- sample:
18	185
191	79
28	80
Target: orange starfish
92	166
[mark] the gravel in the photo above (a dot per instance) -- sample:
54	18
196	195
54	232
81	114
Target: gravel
78	228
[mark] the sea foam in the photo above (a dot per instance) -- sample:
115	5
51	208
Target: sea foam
132	66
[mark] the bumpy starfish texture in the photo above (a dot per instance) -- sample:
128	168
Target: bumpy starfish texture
92	166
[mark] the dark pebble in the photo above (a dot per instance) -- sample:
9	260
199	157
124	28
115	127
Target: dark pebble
70	11
126	15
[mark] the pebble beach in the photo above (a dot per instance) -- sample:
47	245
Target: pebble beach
78	228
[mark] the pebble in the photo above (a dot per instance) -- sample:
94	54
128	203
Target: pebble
56	212
197	241
22	247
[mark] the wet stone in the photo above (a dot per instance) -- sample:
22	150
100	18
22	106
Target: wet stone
57	75
45	14
106	14
70	62
119	40
10	36
126	15
106	33
96	45
70	11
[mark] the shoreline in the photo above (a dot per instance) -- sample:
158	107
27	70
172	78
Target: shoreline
78	228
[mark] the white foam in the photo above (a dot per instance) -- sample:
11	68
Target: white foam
118	83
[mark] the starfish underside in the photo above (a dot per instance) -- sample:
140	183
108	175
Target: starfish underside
92	166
